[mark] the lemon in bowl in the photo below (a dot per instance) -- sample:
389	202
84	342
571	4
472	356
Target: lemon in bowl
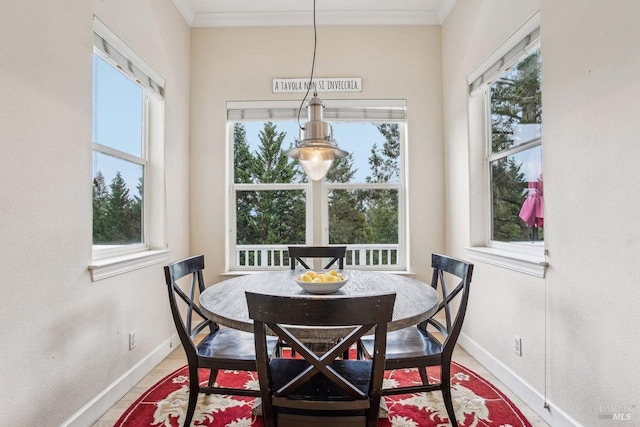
321	282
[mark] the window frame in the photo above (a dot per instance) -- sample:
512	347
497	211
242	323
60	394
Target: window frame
523	256
111	260
316	189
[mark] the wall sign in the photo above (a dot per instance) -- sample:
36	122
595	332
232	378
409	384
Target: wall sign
339	84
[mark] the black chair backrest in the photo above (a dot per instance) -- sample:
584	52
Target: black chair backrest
336	253
462	270
192	267
278	313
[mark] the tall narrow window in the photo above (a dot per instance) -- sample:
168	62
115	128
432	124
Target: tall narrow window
505	148
127	152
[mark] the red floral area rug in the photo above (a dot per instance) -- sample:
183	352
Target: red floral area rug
476	401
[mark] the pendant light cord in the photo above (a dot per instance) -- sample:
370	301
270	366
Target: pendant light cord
313	65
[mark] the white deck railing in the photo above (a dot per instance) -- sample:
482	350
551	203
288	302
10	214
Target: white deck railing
266	257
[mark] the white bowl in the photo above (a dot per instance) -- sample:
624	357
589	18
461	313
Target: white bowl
321	288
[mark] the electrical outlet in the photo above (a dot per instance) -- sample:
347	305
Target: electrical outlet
132	340
517	345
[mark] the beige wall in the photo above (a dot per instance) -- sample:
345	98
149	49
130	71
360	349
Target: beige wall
587	354
65	338
592	99
238	64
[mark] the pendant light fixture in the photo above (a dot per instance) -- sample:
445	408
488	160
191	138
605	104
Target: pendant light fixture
315	149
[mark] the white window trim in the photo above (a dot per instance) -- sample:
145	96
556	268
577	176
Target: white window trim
524	257
523	263
118	259
102	269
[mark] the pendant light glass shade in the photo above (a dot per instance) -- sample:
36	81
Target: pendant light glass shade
316	149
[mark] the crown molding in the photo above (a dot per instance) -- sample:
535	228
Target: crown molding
185	9
254	19
444	10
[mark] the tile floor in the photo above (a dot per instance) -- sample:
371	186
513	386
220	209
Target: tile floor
177	359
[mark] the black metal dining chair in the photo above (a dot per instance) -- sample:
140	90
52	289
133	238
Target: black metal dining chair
221	348
320	389
416	347
335	253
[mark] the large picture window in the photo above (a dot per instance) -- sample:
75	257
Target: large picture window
359	204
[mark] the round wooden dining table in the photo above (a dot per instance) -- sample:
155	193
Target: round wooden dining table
225	302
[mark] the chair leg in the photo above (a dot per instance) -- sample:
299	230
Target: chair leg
359	350
374	411
213	374
424	375
268	414
446	394
194	389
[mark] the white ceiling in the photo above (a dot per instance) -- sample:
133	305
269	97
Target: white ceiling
228	13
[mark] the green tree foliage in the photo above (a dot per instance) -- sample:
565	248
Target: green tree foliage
382	205
100	197
515	100
243	170
507	199
117	216
384	163
243	161
273	216
347	219
135	224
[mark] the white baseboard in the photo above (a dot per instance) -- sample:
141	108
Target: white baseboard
554	416
96	407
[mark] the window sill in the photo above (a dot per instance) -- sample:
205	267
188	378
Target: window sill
101	269
529	264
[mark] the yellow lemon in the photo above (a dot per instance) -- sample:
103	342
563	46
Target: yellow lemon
312	274
316	280
333	273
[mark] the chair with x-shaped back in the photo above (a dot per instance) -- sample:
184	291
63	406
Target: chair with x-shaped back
298	254
415	347
334	253
320	388
221	348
